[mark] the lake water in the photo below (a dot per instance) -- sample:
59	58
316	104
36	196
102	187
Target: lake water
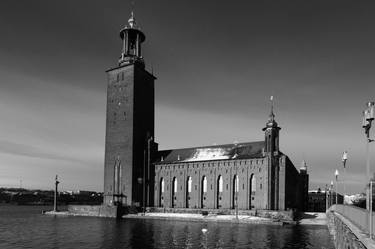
26	227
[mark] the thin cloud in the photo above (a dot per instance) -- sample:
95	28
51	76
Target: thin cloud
26	150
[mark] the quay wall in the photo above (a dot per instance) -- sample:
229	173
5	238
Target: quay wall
95	210
288	215
343	224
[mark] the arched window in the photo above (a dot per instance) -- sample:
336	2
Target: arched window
253	184
236	183
204	184
175	185
220	184
189	184
162	185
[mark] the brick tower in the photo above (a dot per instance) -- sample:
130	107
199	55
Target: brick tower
129	124
272	152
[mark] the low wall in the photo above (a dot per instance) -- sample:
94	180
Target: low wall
343	236
97	210
347	225
275	215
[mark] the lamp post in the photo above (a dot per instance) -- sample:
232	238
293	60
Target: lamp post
144	183
236	181
367	118
370	209
326	192
330	195
148	168
337	179
55	195
344	159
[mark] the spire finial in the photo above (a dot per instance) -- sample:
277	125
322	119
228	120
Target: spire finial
131	21
272	115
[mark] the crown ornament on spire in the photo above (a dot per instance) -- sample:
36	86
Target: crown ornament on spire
131	21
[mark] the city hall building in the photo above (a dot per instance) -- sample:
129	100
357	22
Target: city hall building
248	176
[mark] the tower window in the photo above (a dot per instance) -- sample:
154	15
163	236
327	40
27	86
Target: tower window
122	76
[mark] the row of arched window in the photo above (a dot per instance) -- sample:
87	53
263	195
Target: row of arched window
204	184
189	188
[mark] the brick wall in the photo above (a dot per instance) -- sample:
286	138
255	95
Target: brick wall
211	170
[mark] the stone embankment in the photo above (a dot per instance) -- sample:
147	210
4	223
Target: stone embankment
346	234
200	217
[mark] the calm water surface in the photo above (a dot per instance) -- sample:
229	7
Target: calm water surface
26	227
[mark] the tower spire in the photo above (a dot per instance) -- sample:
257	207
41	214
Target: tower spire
272	115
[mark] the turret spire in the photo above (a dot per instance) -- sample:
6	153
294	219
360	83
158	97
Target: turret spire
272	115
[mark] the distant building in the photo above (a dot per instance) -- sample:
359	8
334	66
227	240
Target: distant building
251	175
319	200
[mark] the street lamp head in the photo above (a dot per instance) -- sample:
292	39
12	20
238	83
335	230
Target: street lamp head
331	184
369	112
364	121
336	173
345	156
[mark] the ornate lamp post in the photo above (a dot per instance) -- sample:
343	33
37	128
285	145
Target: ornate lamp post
344	159
368	117
55	195
330	194
149	141
236	180
326	192
337	179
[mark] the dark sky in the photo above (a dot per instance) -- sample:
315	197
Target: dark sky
217	64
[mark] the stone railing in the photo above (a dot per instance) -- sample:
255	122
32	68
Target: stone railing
349	227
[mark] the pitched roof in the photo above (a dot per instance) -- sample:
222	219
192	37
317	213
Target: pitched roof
214	152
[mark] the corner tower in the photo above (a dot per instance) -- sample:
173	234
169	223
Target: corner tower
271	133
129	123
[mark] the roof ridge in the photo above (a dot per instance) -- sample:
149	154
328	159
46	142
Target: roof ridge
217	145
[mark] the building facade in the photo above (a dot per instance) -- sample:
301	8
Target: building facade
253	175
319	200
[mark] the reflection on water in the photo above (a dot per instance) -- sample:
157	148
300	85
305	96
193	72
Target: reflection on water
25	227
